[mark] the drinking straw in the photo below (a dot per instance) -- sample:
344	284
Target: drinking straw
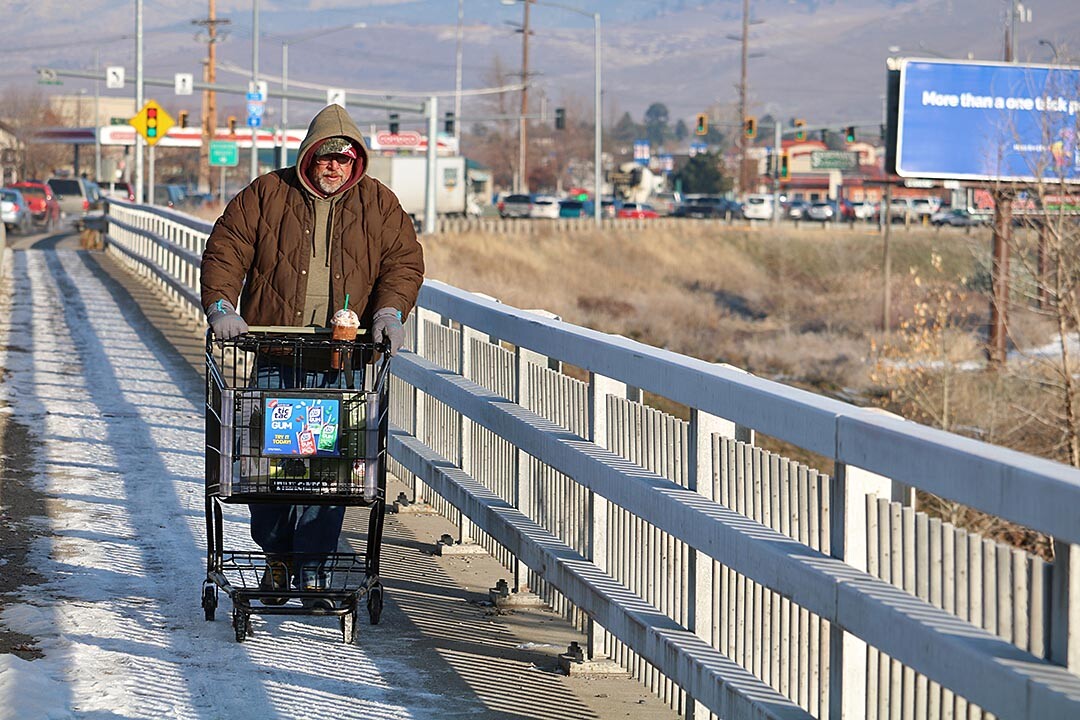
346	301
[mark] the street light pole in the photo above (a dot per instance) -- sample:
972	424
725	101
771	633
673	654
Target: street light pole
598	172
284	159
523	178
255	83
742	96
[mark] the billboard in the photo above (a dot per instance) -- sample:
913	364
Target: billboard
987	121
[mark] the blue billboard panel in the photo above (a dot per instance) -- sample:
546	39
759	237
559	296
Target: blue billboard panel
988	121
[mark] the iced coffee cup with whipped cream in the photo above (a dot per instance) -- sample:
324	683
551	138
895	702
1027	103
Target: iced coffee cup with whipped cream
343	326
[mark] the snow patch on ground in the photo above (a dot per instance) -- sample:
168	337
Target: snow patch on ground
117	421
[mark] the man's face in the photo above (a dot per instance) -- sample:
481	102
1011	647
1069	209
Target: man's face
329	172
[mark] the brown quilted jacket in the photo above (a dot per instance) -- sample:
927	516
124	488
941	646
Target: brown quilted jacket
260	248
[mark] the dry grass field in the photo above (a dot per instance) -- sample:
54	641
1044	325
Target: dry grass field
795	304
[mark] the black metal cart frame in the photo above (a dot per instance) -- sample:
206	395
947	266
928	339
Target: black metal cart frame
348	469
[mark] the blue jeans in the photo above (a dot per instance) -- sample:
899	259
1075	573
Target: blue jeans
280	528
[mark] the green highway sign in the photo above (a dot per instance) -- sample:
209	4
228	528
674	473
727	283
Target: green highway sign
224	153
833	160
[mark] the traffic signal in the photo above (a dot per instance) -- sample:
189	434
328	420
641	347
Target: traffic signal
560	118
750	127
183	118
849	133
151	123
800	134
232	124
448	123
784	170
394	124
702	124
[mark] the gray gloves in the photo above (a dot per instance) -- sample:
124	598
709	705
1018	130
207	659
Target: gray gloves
225	321
386	327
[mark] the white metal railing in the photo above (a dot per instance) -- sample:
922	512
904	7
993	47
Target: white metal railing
731	581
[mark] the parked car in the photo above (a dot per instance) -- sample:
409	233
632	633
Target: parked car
665	202
796	209
573	209
43	205
515	206
118	190
609	207
901	210
956	217
704	206
864	210
638	211
15	211
75	196
170	195
758	206
925	206
831	211
544	206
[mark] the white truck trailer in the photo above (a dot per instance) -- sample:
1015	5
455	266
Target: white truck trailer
407	177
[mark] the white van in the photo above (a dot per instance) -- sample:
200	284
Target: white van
758	207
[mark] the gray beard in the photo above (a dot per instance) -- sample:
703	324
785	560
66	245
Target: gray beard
327	187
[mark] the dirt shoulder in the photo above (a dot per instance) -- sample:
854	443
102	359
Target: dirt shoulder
21	508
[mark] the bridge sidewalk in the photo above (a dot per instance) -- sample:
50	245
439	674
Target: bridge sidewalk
437	614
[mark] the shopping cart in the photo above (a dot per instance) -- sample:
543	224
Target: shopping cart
299	445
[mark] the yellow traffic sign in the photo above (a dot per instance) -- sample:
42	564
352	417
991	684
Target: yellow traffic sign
152	122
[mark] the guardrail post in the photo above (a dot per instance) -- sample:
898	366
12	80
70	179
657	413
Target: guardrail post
422	315
599	388
523	495
700	475
848	489
1064	613
465	429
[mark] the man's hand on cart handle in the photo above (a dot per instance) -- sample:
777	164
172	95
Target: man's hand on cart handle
225	321
386	328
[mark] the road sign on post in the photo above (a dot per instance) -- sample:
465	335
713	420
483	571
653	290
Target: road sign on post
224	153
335	96
114	77
256	106
152	122
834	160
183	83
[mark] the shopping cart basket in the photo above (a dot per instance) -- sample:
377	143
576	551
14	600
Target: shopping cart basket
298	445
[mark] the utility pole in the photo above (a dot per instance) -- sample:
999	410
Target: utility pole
209	97
457	73
522	174
742	96
997	342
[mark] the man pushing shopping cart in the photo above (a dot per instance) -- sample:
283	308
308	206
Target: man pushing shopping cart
296	250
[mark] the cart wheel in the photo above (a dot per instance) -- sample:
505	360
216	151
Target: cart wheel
374	604
348	625
241	624
209	601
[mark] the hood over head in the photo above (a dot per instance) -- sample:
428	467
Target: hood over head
332	131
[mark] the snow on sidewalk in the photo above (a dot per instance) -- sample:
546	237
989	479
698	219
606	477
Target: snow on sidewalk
117	423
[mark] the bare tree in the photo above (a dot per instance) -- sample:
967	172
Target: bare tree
492	143
24	112
1045	246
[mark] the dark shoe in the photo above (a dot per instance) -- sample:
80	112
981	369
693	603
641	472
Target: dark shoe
275	577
